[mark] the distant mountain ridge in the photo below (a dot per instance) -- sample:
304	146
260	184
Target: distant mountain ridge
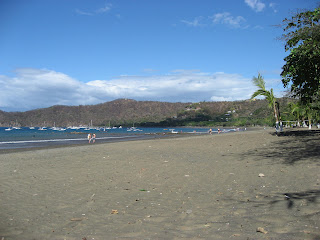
117	112
127	112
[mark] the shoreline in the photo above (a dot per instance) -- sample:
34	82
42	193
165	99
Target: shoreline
85	143
244	185
27	145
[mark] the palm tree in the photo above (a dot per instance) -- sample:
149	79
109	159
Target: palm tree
303	112
297	111
308	113
260	83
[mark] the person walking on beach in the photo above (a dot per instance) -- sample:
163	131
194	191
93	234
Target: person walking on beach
93	138
89	137
210	131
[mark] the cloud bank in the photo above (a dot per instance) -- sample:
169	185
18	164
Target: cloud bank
39	88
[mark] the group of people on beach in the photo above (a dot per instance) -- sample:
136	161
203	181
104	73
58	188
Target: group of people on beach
210	131
92	137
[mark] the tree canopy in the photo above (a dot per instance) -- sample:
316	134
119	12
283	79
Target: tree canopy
302	67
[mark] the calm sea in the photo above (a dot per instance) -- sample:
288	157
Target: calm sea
29	138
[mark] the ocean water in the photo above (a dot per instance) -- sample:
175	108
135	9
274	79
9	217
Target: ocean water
29	138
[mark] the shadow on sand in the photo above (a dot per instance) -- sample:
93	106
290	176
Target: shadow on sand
292	198
289	148
292	146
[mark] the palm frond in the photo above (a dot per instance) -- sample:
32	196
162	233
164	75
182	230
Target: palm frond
259	82
259	92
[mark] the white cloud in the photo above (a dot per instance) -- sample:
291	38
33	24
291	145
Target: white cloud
256	5
35	88
80	12
104	9
101	10
195	23
218	18
228	19
220	99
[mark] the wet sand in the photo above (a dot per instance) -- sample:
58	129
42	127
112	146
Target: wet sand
243	185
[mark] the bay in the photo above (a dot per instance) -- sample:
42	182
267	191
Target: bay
12	138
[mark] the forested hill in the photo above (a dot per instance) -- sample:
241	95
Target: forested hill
116	112
127	112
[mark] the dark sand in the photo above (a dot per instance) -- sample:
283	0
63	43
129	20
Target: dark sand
200	187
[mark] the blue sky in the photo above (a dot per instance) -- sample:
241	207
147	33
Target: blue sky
72	52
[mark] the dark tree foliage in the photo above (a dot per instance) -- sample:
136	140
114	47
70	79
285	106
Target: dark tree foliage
302	68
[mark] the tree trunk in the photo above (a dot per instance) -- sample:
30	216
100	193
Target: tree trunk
309	120
276	116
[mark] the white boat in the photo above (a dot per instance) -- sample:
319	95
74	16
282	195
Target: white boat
58	129
74	128
173	131
9	129
131	129
134	129
54	128
42	129
108	126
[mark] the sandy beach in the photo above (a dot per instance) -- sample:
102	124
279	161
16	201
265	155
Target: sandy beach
242	185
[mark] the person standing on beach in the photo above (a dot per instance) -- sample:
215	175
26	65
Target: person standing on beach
210	131
93	138
89	137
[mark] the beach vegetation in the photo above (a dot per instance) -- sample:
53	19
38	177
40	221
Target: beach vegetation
268	94
301	71
297	111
